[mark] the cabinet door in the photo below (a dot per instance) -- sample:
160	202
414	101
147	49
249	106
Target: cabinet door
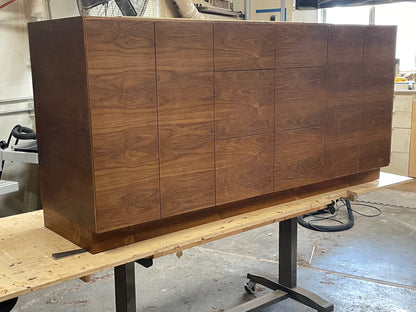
244	46
186	115
244	167
122	84
299	157
301	45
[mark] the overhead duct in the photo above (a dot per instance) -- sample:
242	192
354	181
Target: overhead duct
187	9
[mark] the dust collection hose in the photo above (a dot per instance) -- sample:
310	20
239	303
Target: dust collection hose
328	228
23	133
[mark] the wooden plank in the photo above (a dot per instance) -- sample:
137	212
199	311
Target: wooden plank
240	46
244	167
301	45
293	165
31	267
301	97
62	119
122	83
244	103
412	156
186	115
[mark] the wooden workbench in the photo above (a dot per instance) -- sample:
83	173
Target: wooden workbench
26	246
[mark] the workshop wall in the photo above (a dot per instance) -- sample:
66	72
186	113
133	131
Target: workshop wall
16	103
15	98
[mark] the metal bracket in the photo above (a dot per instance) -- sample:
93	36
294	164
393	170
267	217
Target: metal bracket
146	262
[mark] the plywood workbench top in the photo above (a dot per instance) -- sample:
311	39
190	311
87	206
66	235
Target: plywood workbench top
26	246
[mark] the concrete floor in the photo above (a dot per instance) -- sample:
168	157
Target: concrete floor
371	267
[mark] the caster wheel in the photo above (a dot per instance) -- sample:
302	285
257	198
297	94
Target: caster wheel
250	287
7	306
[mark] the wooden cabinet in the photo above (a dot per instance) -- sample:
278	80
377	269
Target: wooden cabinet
150	126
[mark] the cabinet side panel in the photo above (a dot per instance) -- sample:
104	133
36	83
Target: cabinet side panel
62	120
122	84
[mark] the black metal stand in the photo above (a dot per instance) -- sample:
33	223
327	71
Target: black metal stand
284	288
125	284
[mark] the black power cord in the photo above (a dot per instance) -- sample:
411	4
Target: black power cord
332	209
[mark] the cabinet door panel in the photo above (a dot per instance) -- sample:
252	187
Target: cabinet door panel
301	97
122	83
301	45
186	115
299	157
240	46
244	167
244	103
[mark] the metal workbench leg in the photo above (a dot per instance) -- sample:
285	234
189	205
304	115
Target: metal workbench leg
288	246
125	288
286	286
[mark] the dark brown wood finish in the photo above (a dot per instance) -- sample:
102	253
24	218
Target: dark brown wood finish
342	157
244	103
301	97
95	243
375	151
240	46
294	168
150	126
186	111
299	157
301	45
125	149
244	167
345	44
62	120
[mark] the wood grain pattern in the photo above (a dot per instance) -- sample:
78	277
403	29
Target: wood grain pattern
244	167
184	45
378	88
241	46
301	97
318	194
125	149
344	123
376	117
345	44
380	44
186	111
244	103
301	45
345	62
63	128
375	151
345	85
342	157
299	157
137	138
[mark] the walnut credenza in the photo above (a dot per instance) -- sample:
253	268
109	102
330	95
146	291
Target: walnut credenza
148	126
